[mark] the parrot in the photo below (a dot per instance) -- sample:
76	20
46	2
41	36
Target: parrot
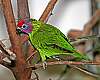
48	40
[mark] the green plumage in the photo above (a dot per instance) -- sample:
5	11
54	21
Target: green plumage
50	41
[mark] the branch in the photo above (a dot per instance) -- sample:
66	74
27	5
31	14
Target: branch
6	64
3	62
11	27
3	54
70	63
32	54
63	63
23	9
20	70
78	41
37	76
48	9
86	71
88	27
7	52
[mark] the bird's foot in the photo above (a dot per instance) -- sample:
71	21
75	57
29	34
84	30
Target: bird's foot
56	57
44	65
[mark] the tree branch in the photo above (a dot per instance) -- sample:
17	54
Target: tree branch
37	76
6	64
63	63
11	27
15	41
88	27
70	63
23	9
9	54
3	55
2	62
49	8
86	71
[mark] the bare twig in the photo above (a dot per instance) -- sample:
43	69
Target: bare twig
4	40
2	48
70	63
63	62
48	9
2	62
8	52
6	64
86	71
37	76
2	44
31	56
2	56
78	41
88	27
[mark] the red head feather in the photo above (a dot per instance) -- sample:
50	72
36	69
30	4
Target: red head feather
20	23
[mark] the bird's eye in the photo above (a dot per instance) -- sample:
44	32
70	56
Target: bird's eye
34	19
24	26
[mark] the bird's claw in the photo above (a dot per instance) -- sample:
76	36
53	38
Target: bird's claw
44	65
56	57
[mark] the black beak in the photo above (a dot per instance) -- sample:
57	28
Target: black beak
18	31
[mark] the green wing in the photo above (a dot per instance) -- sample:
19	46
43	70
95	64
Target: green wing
61	42
58	38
